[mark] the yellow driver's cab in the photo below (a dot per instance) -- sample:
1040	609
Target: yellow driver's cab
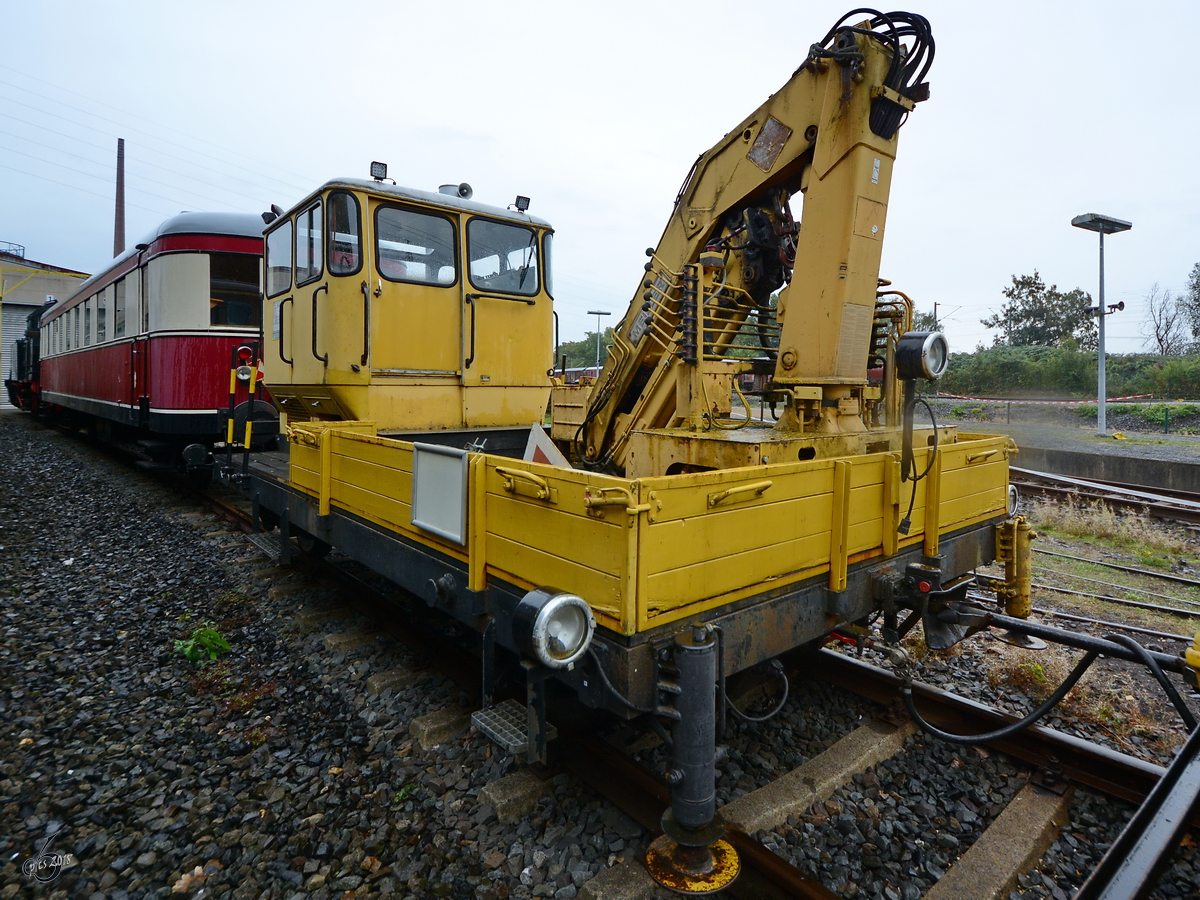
416	310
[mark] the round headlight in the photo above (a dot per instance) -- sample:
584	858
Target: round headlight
1014	500
553	627
922	354
243	373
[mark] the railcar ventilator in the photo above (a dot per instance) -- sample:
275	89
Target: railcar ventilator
661	538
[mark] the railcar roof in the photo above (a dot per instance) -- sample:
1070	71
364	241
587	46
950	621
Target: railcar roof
437	198
233	224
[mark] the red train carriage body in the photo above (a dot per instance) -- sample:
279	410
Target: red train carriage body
148	342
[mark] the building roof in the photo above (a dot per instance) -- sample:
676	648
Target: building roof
12	260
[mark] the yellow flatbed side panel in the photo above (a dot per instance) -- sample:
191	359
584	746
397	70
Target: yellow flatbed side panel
658	549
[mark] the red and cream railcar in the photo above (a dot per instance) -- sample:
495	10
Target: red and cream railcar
148	343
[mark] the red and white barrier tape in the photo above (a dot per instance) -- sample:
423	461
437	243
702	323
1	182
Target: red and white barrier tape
941	396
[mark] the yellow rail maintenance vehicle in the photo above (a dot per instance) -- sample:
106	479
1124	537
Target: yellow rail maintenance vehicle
661	538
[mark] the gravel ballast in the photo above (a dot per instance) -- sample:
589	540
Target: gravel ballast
275	772
272	773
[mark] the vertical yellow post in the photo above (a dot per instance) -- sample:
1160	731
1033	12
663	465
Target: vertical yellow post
629	578
839	532
325	436
933	504
891	504
477	541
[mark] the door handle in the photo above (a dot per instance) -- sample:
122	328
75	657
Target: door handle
325	358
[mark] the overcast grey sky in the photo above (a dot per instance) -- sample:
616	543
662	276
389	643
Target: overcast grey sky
1039	111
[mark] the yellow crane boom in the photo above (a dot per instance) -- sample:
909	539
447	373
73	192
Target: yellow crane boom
828	136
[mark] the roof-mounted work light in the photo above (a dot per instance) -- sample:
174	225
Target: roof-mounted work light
379	171
522	203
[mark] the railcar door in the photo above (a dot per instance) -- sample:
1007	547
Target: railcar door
139	399
416	287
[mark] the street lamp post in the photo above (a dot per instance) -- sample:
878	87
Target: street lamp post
598	313
1103	225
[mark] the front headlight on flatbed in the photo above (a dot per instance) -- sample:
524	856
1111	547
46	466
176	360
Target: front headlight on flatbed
553	626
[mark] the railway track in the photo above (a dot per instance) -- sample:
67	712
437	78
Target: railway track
1058	759
1180	506
641	794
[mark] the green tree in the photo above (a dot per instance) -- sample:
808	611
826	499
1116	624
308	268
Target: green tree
1040	316
582	353
924	321
1191	300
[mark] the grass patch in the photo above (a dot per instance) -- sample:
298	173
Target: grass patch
1093	522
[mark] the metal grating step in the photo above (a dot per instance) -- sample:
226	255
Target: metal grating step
267	542
506	724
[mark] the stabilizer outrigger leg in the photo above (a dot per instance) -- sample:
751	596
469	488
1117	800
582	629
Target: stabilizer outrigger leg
691	856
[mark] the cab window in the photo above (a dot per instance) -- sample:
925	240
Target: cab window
345	244
279	259
503	257
415	247
308	245
233	290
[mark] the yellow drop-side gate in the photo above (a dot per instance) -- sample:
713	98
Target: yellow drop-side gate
651	552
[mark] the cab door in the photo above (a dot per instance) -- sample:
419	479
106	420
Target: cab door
416	316
510	341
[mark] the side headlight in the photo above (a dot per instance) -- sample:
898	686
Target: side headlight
553	627
1014	500
922	354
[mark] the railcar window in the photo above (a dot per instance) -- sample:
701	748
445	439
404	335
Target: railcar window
119	309
101	309
414	246
75	342
233	295
345	244
308	245
87	320
547	268
503	257
279	259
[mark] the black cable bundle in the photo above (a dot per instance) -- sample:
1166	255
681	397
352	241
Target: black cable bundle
910	61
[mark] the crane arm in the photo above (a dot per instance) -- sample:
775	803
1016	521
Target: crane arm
828	135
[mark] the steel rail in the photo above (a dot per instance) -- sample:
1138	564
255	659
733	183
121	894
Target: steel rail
1158	511
1143	492
1090	620
1166	576
1111	584
1108	771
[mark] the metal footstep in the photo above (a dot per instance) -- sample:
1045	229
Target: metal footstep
267	542
507	724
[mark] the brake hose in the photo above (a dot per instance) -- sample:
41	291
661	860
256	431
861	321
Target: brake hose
1008	730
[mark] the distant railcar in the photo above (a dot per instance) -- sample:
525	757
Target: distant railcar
144	348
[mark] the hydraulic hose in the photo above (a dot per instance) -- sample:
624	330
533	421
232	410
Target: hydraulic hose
608	685
741	716
1152	664
1008	730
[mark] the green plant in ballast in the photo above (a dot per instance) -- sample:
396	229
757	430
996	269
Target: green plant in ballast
205	641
